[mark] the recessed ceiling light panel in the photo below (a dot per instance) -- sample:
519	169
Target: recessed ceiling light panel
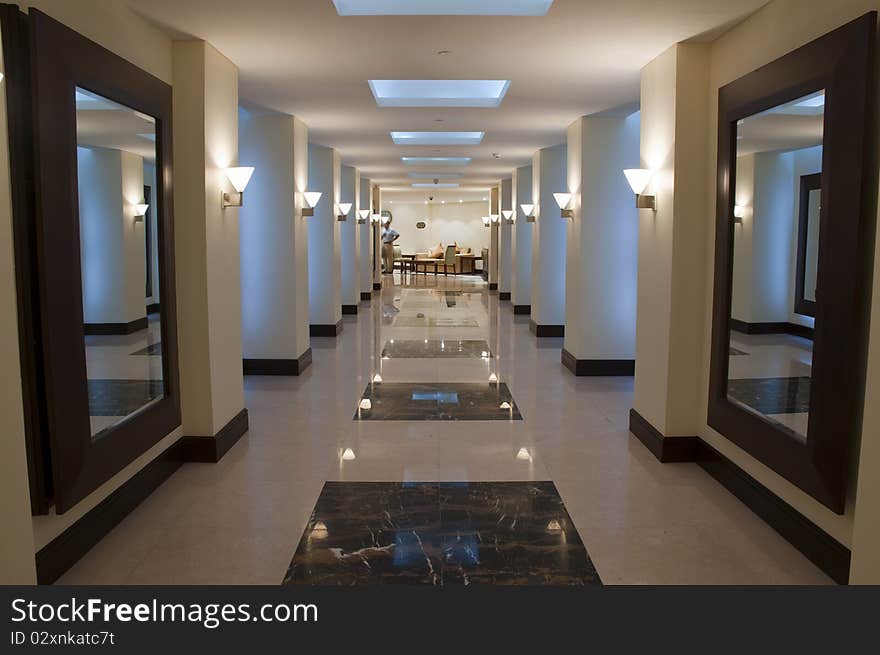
437	138
418	175
442	7
436	161
439	93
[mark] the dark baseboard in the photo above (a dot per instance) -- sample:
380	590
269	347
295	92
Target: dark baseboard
116	328
153	308
278	366
823	550
522	309
377	286
325	330
504	295
772	328
212	449
665	449
598	367
542	331
366	295
493	286
65	550
348	310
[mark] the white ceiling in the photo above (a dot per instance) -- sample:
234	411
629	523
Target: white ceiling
300	57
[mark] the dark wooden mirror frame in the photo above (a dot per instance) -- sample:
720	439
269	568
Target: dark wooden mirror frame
62	60
841	63
809	183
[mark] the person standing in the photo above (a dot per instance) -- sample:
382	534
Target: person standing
389	236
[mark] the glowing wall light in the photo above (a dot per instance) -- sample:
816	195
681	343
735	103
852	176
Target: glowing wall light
312	198
638	179
342	210
564	202
363	216
508	215
139	212
529	212
238	177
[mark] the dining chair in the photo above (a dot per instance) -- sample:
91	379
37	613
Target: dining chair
449	260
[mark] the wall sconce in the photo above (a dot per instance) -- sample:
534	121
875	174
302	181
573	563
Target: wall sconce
564	202
312	198
508	215
529	212
238	177
486	221
375	219
739	213
638	179
364	214
139	212
494	219
342	210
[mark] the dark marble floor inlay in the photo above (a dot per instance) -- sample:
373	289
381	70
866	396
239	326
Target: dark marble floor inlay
152	349
772	395
422	321
441	401
122	397
436	349
441	533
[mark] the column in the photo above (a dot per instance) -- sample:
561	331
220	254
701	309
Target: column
672	263
505	242
521	244
376	234
603	245
548	243
274	245
365	240
113	273
207	249
349	246
325	296
494	210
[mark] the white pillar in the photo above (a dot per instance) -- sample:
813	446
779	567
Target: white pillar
521	244
603	238
376	195
494	240
325	298
112	242
349	246
548	243
673	279
274	242
207	241
365	241
505	242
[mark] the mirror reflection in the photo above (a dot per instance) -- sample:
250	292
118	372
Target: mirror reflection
116	173
775	261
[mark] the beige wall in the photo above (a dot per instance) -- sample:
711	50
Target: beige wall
778	28
453	222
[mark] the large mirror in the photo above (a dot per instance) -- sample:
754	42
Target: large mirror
771	347
102	132
116	176
792	223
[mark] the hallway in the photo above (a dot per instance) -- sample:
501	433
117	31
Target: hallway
240	521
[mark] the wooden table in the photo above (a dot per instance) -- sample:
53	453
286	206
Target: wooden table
468	263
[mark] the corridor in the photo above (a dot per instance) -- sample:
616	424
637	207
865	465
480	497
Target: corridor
478	459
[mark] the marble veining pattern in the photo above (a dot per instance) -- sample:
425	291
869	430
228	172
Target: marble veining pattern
441	534
152	349
436	349
122	397
447	401
772	395
422	321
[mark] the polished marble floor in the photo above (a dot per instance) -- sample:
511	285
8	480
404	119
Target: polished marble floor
439	401
242	520
441	534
